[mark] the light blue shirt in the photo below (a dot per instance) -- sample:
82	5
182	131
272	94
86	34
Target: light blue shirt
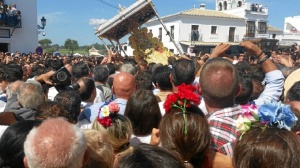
91	112
273	90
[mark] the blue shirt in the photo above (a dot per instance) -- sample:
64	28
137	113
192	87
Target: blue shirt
91	112
273	90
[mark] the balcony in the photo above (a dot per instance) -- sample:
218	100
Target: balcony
256	9
195	36
266	36
234	38
7	23
292	36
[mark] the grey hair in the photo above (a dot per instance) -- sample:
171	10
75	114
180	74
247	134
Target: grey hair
13	88
128	68
44	149
31	94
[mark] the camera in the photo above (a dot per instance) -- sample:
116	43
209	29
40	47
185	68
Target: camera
62	77
44	34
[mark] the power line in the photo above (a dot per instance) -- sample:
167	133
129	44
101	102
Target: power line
108	4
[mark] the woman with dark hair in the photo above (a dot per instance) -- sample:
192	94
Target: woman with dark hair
190	148
270	148
184	130
266	140
143	111
12	142
146	155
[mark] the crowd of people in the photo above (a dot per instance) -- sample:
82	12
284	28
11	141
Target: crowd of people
212	110
10	15
256	7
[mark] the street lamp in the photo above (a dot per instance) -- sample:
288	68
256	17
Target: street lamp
43	22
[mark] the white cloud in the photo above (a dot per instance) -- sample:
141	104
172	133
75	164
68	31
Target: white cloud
96	21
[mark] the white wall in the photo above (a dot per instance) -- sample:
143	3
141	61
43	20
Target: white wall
24	39
183	24
205	23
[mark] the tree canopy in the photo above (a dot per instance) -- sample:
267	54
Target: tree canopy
71	45
45	43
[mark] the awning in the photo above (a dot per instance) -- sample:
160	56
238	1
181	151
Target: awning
200	43
126	21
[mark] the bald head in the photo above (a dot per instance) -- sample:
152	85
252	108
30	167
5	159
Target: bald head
123	85
219	83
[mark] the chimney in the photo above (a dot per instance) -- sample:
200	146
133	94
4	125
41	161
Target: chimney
202	6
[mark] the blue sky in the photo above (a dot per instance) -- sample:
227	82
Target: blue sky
76	19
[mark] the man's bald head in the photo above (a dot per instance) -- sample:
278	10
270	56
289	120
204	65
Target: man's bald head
219	83
123	85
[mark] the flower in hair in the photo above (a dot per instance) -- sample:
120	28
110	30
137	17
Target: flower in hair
182	99
248	117
277	114
272	114
107	112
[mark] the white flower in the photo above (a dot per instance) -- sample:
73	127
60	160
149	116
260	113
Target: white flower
243	124
254	111
105	111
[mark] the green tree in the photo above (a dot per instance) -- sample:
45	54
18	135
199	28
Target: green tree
45	43
56	47
71	45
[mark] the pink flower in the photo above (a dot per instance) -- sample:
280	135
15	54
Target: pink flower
113	107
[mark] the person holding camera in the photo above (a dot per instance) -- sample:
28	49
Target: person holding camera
81	69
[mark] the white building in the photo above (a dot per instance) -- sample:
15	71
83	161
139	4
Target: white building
255	14
256	19
198	29
291	30
25	37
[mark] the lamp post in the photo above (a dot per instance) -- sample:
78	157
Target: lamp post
43	22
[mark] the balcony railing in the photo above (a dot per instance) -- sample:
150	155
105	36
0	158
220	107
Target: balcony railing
10	21
195	37
234	38
262	36
294	36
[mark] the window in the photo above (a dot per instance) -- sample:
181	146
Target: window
262	27
172	32
250	29
125	48
150	30
213	30
195	33
171	50
225	5
160	34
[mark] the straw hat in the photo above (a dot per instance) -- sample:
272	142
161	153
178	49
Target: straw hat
290	80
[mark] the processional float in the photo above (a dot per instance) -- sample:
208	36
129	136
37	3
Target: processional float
129	21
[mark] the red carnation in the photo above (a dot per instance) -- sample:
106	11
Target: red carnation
185	94
106	121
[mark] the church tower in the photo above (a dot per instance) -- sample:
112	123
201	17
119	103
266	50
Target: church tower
223	5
